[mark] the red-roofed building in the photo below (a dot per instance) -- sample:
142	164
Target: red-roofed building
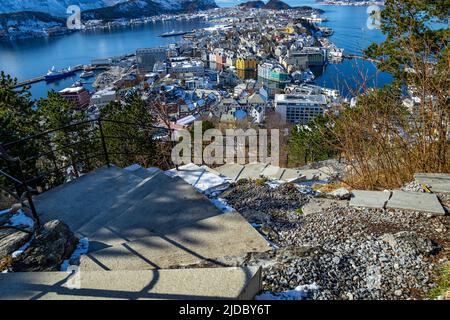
79	96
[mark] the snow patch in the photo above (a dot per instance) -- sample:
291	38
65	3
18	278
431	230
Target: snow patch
201	179
273	184
20	219
21	250
222	205
300	293
81	249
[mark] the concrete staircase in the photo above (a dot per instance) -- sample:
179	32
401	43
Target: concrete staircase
138	222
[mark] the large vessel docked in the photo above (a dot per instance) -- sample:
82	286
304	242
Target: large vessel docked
87	74
53	74
174	33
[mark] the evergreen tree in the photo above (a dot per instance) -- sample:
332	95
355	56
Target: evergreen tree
416	53
129	132
312	142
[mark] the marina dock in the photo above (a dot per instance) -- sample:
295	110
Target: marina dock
353	56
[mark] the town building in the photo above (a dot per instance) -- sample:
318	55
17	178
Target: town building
146	58
246	63
187	68
79	96
103	97
299	109
273	72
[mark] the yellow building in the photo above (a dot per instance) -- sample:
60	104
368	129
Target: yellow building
246	63
289	29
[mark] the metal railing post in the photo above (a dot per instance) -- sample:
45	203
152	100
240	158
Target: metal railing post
28	194
102	136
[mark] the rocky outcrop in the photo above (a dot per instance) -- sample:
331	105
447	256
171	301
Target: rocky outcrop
54	243
253	4
277	5
11	240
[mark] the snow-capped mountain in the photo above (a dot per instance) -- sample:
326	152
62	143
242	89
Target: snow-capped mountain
53	7
141	8
58	8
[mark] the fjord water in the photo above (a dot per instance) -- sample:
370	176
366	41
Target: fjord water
29	58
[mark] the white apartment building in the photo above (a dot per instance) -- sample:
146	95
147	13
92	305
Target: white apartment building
193	67
298	108
103	97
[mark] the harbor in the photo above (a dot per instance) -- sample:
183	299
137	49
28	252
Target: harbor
347	24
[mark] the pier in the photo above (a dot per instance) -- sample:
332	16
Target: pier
353	56
42	78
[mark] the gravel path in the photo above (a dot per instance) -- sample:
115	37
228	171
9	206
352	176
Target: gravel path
348	253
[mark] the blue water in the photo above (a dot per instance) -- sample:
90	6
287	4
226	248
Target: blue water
30	58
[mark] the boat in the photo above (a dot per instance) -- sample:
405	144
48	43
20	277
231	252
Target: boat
87	74
326	31
308	76
53	74
335	53
174	33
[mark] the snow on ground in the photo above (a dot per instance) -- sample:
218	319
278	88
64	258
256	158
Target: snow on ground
222	205
273	184
19	251
21	219
204	181
299	293
81	249
132	168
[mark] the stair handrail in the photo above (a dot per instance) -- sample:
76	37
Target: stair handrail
20	182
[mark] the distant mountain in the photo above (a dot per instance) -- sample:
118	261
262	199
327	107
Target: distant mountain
53	7
142	8
106	9
277	5
27	24
253	4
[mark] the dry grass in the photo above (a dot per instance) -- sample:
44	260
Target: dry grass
6	263
6	202
325	188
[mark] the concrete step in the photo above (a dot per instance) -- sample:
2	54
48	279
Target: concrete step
230	170
220	236
273	172
79	201
369	199
438	182
190	284
172	204
123	202
415	201
200	178
252	171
